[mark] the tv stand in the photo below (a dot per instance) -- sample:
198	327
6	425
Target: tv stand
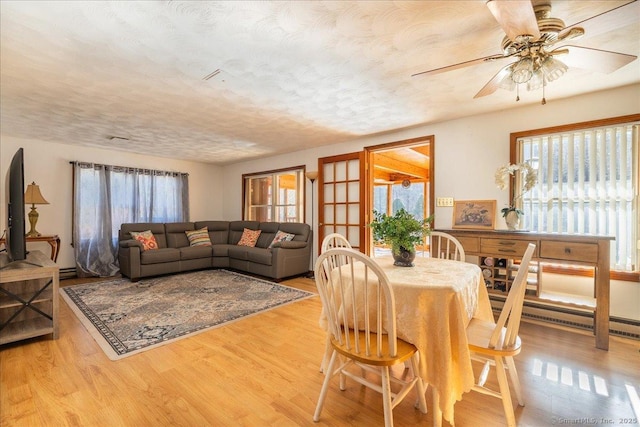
28	298
17	264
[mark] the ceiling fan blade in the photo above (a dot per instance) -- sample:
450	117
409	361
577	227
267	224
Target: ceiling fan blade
611	20
494	83
516	18
460	65
602	61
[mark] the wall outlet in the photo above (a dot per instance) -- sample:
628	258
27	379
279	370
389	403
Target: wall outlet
444	201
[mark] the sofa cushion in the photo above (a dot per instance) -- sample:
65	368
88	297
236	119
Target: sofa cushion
301	230
146	238
196	252
260	255
199	237
218	230
236	228
222	250
249	237
238	252
159	256
268	232
176	237
281	236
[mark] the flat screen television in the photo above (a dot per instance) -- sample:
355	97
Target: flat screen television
16	242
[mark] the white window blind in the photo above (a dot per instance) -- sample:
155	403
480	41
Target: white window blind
588	184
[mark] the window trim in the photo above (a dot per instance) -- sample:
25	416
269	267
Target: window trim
292	169
633	276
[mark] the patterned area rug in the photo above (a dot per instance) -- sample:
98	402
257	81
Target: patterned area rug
126	318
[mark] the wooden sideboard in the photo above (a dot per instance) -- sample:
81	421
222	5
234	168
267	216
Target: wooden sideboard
592	251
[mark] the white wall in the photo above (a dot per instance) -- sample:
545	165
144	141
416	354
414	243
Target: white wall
48	165
467	153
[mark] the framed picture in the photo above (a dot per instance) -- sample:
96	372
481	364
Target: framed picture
474	214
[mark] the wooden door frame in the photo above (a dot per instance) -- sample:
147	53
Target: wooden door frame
360	156
366	189
369	152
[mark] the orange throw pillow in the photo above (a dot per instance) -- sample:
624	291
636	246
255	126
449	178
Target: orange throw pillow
147	239
249	237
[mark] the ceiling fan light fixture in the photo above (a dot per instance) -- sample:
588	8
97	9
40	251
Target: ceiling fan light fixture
506	82
536	81
552	68
522	71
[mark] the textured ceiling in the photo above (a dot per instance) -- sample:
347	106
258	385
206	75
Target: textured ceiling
288	75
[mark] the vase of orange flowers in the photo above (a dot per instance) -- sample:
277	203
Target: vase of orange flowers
507	176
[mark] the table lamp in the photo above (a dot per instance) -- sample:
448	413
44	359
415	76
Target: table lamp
33	197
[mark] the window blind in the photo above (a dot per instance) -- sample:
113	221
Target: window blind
588	184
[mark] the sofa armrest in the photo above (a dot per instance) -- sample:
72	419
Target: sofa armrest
130	243
129	258
290	245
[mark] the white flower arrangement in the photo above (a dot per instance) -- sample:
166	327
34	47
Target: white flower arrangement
529	178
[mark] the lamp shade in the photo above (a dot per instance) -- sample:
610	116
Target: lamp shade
312	175
522	70
33	196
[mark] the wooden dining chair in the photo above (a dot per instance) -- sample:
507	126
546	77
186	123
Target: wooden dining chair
360	311
444	245
495	343
334	240
331	241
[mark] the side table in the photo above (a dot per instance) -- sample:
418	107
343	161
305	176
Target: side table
53	241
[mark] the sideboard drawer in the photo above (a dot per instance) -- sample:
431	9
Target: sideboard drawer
470	244
570	251
504	247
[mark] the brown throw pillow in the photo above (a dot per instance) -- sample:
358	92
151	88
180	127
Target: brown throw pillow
249	237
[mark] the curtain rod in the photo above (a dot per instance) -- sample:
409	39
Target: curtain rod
76	162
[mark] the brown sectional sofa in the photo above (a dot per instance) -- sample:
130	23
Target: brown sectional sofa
174	253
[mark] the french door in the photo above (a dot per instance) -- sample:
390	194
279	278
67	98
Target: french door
346	186
342	198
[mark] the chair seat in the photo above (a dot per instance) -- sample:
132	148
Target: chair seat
478	335
404	351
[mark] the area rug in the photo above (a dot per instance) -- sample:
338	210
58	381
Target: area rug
127	317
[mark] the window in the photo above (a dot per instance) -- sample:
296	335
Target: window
274	196
107	196
410	198
587	183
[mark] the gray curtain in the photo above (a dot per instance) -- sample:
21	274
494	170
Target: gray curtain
107	196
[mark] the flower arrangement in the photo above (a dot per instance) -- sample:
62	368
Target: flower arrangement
505	174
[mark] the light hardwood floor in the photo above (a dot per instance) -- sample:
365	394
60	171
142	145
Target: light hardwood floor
263	371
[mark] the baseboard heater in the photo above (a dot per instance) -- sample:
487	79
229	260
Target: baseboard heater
68	273
580	319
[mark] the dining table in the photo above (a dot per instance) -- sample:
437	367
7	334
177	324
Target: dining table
435	301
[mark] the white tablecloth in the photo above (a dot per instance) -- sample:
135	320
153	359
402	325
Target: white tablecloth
435	300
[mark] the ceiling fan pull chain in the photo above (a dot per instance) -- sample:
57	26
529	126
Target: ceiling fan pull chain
544	85
517	92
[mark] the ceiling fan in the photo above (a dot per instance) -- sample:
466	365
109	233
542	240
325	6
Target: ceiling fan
531	45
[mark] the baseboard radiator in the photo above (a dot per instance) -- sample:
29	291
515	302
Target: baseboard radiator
580	319
68	273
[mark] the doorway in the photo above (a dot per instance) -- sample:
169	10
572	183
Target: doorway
400	177
383	177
